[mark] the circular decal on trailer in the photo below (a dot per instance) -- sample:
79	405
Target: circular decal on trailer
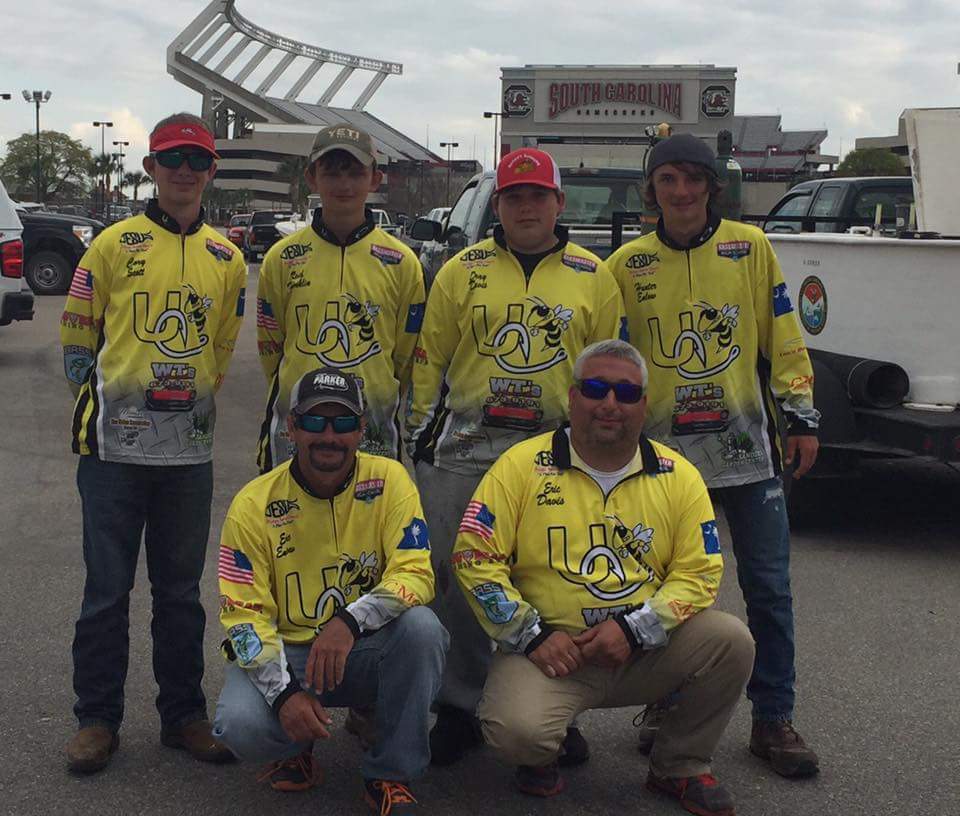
813	304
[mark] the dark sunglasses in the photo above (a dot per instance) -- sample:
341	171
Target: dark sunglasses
598	390
348	423
172	159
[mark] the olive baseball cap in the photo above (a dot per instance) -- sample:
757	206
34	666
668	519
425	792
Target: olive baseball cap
357	143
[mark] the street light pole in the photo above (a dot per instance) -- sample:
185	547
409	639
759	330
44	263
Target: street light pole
496	116
449	146
122	144
103	152
36	98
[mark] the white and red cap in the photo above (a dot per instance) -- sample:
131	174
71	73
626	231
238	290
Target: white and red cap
528	166
181	134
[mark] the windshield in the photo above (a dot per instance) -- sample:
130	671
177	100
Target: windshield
593	200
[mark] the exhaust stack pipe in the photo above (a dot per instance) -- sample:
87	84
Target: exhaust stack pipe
869	383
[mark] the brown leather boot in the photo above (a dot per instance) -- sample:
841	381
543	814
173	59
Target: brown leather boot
90	749
196	739
784	748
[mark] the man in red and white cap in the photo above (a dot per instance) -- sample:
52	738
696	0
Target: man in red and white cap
504	322
148	332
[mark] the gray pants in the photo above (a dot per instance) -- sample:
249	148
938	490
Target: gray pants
397	669
445	496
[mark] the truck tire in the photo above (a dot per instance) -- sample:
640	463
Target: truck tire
48	273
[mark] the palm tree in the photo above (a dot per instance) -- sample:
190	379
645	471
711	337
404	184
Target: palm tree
134	179
101	169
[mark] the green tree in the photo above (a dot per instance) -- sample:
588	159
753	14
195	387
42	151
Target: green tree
64	166
874	161
135	179
292	170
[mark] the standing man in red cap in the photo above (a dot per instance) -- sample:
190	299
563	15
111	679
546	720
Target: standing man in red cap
148	331
504	322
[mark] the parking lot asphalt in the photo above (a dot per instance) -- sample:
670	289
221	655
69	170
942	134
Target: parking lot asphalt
876	577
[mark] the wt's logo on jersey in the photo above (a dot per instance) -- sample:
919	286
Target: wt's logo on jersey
528	340
703	346
180	329
346	335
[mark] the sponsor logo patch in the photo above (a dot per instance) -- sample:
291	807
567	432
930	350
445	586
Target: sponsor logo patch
369	490
494	601
386	255
219	251
734	250
642	260
246	642
578	264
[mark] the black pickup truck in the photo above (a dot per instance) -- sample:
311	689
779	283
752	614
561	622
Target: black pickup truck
52	246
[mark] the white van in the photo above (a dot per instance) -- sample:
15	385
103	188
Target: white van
16	300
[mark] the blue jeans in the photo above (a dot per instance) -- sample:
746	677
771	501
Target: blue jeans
397	669
760	534
169	506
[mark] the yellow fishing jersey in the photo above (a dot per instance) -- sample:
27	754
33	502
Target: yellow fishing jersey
495	356
147	332
541	547
355	306
722	341
290	561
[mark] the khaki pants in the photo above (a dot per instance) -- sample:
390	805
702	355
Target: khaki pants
707	660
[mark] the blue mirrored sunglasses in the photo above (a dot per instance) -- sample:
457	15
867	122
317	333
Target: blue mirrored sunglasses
598	390
348	423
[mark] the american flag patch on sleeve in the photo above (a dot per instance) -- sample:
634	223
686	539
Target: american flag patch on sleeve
81	287
478	519
265	318
234	566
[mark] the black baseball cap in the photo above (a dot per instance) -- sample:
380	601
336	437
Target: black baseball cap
684	147
326	385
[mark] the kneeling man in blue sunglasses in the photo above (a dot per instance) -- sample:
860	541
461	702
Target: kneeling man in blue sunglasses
325	575
590	554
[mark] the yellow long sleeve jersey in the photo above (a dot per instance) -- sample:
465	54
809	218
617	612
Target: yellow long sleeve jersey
495	356
355	306
541	547
290	561
148	332
723	344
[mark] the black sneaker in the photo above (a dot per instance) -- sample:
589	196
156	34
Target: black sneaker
545	781
648	723
702	795
575	750
453	735
388	798
778	743
293	775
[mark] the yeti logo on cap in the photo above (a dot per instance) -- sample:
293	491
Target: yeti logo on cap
331	381
346	133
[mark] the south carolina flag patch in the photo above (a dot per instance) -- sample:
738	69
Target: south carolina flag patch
711	538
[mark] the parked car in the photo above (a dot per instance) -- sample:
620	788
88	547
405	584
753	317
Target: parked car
262	232
848	200
52	246
592	196
238	228
382	220
15	303
117	212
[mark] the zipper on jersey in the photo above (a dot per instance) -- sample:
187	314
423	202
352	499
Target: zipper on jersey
343	258
183	255
689	275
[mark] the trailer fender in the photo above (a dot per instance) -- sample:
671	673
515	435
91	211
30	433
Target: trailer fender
837	422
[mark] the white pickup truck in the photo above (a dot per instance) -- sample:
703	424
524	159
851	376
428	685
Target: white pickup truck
380	217
881	317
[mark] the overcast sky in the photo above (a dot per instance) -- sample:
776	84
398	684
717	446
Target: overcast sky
849	67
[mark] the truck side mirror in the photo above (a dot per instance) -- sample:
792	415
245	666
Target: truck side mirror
424	229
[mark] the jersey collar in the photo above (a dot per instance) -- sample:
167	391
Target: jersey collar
713	222
562	233
363	230
299	478
168	222
560	449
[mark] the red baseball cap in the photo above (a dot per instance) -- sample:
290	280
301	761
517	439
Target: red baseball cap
528	166
180	134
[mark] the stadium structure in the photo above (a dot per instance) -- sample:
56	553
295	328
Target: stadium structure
260	129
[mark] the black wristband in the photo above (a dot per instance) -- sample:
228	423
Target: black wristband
348	619
545	632
621	620
292	688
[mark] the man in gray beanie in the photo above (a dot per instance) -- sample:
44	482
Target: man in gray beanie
707	306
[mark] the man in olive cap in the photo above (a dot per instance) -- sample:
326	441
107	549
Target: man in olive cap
707	306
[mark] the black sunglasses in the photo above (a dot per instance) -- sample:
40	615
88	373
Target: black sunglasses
598	390
347	423
172	159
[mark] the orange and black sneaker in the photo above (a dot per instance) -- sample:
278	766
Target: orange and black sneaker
702	795
389	798
298	773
